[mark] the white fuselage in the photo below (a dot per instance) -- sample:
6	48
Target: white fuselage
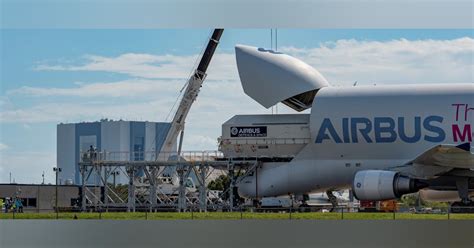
368	127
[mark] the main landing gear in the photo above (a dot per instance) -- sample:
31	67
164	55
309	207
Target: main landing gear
466	205
462	207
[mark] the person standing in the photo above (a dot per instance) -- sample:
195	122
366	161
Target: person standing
7	204
14	205
19	205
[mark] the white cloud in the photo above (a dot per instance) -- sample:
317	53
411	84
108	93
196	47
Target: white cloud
3	146
88	111
26	126
5	102
150	66
152	102
125	88
396	61
200	142
342	61
137	65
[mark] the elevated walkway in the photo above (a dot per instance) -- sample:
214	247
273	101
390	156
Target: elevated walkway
144	189
104	158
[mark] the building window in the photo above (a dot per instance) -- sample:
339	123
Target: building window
31	202
138	150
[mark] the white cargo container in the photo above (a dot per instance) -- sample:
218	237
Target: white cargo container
271	136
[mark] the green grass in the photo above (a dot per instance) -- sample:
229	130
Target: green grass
237	215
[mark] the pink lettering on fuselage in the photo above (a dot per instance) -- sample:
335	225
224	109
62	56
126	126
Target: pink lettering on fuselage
466	110
462	132
458	105
463	136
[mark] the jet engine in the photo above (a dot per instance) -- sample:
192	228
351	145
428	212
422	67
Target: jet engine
379	185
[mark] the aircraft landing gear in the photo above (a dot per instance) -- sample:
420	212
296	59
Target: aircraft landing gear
332	200
465	205
462	207
256	203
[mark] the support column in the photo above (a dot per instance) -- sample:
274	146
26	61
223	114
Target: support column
202	188
351	201
462	184
182	189
152	179
106	191
131	189
83	187
98	174
231	186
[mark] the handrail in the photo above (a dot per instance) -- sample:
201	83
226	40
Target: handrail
96	156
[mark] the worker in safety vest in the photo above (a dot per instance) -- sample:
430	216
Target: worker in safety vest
13	207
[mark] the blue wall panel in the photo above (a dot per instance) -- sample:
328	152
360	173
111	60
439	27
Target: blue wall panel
162	129
137	140
85	129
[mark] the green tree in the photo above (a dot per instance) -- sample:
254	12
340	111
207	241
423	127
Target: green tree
413	200
410	200
223	183
220	183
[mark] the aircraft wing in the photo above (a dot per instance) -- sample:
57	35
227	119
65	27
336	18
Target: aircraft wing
439	160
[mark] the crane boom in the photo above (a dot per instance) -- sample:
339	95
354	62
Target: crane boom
190	94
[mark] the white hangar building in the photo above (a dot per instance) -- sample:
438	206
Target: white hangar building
133	140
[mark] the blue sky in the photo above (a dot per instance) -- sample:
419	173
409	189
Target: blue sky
53	75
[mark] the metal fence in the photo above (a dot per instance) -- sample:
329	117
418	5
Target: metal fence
308	213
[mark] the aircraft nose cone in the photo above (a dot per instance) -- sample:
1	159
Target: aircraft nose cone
270	77
240	49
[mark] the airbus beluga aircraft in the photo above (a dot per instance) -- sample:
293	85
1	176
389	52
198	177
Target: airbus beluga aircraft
381	141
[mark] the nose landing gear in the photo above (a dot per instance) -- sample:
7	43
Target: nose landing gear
332	200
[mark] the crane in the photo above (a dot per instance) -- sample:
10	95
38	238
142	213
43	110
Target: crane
190	94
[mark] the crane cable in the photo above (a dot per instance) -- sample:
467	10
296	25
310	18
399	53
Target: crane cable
162	131
201	53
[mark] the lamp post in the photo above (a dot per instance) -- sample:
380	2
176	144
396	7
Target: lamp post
56	170
114	174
